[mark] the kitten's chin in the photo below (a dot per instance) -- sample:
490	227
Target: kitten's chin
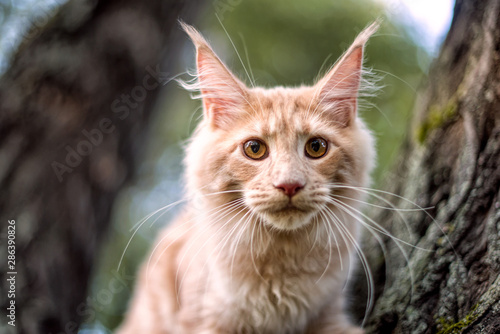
287	220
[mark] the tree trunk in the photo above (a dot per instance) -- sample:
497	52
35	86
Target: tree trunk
74	109
450	165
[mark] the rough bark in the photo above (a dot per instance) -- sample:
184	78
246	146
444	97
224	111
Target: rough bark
451	165
63	81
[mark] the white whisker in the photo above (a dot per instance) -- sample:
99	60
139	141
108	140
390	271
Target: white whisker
165	208
377	227
235	50
364	263
347	209
329	249
373	192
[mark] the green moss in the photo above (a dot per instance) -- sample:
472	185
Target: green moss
440	241
437	118
449	327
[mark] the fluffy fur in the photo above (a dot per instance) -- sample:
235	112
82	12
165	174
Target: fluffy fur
245	257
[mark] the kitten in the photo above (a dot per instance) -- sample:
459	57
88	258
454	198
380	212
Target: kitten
265	242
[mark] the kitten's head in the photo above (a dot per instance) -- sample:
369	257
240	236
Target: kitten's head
281	150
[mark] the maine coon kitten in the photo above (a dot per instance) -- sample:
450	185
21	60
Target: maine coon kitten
265	242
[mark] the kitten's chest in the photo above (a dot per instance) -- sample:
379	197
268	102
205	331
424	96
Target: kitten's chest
279	296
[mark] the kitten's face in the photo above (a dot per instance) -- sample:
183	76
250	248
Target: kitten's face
281	149
288	154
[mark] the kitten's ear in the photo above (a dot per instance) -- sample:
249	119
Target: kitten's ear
338	89
221	91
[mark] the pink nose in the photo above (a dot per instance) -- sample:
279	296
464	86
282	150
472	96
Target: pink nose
290	189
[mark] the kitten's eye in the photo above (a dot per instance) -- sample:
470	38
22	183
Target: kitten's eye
316	148
255	149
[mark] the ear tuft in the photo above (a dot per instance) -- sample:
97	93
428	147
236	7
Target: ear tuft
194	35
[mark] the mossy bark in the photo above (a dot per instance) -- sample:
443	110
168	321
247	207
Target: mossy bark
55	99
450	281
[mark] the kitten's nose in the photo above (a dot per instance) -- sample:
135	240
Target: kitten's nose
290	189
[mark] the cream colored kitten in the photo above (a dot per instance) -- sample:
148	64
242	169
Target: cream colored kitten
264	244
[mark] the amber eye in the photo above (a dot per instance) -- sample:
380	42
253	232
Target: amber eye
255	149
316	148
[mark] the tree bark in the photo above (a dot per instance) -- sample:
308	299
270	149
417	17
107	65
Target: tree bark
74	109
449	164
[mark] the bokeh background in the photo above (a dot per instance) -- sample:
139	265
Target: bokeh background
283	42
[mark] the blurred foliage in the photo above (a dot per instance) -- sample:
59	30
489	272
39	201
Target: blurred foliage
283	42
